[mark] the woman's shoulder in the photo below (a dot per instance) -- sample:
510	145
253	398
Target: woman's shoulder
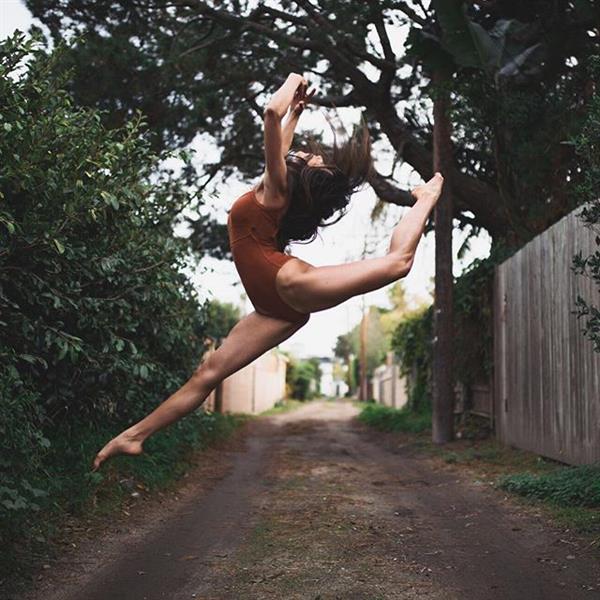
267	200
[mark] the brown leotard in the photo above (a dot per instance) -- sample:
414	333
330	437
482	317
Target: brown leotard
252	229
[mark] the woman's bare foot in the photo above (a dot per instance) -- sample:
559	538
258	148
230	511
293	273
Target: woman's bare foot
431	190
124	443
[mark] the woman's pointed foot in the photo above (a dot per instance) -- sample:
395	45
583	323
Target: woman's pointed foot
124	443
431	190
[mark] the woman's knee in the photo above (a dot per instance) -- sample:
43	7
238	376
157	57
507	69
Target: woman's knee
206	376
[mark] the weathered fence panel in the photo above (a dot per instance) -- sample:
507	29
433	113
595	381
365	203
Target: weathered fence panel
546	373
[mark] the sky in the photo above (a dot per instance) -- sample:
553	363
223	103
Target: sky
340	243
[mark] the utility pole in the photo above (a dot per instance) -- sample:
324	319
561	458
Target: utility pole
363	333
364	324
443	388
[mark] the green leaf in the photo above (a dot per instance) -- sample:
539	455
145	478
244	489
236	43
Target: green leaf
27	357
110	199
59	246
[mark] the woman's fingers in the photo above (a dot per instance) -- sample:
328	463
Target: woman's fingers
299	107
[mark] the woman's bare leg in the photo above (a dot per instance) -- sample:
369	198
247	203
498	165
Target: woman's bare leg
309	289
249	339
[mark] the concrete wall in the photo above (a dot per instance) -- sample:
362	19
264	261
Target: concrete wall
253	389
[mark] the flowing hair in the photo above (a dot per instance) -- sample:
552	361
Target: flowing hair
317	193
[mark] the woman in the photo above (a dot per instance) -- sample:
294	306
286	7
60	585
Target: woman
298	192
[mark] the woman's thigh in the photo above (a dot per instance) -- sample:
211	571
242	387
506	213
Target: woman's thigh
309	289
251	337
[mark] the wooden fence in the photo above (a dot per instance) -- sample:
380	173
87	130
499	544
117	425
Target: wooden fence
546	373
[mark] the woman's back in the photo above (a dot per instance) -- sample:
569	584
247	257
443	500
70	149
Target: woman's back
252	229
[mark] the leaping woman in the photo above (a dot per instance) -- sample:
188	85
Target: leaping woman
298	193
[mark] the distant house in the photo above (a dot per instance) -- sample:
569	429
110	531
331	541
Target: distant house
332	384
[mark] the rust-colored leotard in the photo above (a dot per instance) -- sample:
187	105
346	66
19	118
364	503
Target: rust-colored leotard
252	228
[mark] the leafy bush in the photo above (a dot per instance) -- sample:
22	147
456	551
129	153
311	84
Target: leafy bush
219	318
386	418
570	486
473	337
303	378
412	343
98	323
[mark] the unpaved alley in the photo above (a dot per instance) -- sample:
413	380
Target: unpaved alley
317	506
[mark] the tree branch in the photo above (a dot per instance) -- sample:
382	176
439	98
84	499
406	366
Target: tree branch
388	192
387	72
337	101
247	23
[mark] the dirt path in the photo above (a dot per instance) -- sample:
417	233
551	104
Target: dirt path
315	506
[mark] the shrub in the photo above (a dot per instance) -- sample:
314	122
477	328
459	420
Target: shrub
569	486
412	343
98	323
386	418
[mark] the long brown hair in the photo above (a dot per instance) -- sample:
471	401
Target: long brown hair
317	193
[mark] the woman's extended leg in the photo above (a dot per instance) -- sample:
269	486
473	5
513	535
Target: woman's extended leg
308	289
249	339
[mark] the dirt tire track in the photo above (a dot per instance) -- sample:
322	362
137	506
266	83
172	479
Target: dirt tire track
316	506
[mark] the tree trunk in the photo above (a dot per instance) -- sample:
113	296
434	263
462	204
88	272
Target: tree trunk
443	393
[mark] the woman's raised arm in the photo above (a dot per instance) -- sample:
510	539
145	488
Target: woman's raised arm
275	170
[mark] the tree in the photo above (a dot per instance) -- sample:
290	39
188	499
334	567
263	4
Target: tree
377	340
588	151
302	377
206	67
400	305
219	318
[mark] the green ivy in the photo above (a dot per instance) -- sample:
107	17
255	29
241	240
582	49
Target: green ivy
588	149
412	343
473	333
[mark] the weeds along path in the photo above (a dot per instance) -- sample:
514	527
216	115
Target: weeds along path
317	506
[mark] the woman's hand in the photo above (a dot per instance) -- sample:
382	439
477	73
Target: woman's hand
301	98
282	99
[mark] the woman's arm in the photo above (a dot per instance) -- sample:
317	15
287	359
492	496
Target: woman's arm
275	169
289	126
283	97
299	102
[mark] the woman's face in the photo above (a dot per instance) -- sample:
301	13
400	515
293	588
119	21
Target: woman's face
312	160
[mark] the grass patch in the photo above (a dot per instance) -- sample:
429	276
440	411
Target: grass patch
569	495
497	458
72	490
572	494
565	487
285	405
585	520
385	418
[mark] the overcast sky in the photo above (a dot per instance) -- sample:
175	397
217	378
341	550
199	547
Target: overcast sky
342	242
